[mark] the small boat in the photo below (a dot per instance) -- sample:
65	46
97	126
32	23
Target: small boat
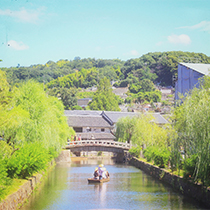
92	180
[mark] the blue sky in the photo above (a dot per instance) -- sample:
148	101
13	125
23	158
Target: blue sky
36	31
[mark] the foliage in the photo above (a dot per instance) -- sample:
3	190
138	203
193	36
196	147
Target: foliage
144	85
157	67
33	130
192	122
104	98
76	107
135	151
5	153
85	94
160	155
125	129
99	153
154	96
31	158
142	130
67	96
190	166
4	179
160	67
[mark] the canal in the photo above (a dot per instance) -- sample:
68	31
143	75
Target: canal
129	188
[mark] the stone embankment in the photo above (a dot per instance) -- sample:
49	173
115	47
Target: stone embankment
196	191
17	199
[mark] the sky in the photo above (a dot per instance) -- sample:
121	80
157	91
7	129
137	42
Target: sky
37	31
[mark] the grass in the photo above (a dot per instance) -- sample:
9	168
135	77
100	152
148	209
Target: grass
15	184
13	187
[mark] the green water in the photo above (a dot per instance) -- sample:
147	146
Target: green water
66	188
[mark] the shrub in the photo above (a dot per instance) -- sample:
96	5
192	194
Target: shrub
29	159
149	153
189	165
160	156
4	180
99	153
135	151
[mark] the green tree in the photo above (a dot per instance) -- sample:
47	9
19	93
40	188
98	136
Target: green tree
192	123
43	120
104	98
143	130
67	96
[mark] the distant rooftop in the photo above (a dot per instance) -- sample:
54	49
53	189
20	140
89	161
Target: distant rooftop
87	121
199	67
113	116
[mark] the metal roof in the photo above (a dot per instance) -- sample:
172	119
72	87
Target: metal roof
199	67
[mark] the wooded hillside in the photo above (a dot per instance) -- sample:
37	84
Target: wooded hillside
159	67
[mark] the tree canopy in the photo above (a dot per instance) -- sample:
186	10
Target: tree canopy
159	67
104	98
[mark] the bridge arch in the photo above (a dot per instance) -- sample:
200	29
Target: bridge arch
98	145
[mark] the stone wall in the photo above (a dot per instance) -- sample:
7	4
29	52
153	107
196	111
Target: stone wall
64	157
17	199
196	191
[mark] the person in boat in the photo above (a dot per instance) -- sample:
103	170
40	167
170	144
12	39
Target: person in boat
107	174
96	174
103	173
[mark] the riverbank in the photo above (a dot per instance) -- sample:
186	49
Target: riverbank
18	198
196	191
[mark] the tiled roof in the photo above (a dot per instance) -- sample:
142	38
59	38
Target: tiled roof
159	119
87	121
115	116
81	112
110	116
83	101
120	91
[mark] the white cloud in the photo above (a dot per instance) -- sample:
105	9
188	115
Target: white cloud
30	16
132	53
203	25
179	39
159	43
17	45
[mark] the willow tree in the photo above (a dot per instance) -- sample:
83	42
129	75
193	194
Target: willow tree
192	122
44	120
142	130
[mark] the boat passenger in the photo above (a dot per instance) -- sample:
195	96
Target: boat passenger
100	171
96	174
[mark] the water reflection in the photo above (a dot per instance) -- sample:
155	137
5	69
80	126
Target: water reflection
128	188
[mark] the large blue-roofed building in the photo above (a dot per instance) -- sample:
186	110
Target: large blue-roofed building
188	77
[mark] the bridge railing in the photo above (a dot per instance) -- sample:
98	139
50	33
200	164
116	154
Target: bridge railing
105	143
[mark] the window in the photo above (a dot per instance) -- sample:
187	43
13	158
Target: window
78	129
102	129
88	129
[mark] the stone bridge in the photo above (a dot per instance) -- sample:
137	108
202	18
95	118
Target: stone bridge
98	145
